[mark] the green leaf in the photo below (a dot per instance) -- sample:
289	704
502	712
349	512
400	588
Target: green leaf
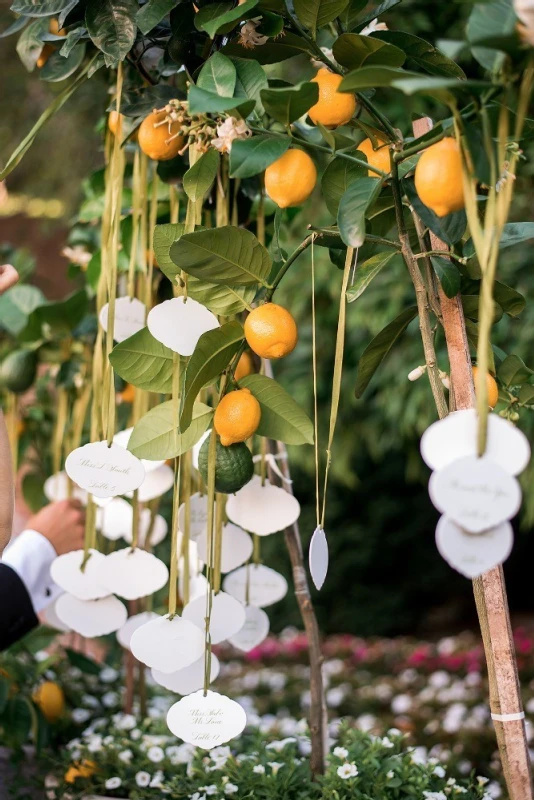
16	26
336	179
250	80
218	75
290	103
471	307
5	687
442	89
16	305
270	53
249	157
144	362
526	394
366	272
372	78
488	20
422	53
58	68
84	664
377	350
64	315
30	43
513	233
199	179
112	27
153	12
511	301
222	300
71	40
164	237
228	255
140	102
233	15
448	275
204	102
375	12
214	351
316	13
513	371
42	8
354	51
449	229
352	208
156	437
18	718
282	419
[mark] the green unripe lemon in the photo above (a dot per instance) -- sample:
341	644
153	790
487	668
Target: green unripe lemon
17	371
233	466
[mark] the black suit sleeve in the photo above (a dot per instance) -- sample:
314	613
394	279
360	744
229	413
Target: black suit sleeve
17	616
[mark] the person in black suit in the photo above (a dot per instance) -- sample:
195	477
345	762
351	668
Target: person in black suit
25	583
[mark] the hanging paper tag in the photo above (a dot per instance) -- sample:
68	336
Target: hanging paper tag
318	557
167	644
156	482
265	586
179	324
236	548
253	632
262	509
124	634
104	471
130	573
206	721
472	554
66	571
91	618
56	487
227	616
198	504
130	315
187	680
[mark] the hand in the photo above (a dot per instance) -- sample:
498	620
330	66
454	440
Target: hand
62	523
8	277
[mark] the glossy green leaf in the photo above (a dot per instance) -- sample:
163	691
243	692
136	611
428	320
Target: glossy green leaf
140	102
203	102
354	51
449	229
30	43
488	20
164	238
379	347
336	179
218	75
231	16
513	233
471	307
16	305
272	52
61	316
58	68
365	273
372	78
315	13
152	13
71	40
228	255
422	53
144	362
112	27
443	89
42	8
222	300
18	718
513	371
213	353
282	419
251	156
250	80
526	394
511	301
448	275
352	209
156	436
199	179
288	104
84	664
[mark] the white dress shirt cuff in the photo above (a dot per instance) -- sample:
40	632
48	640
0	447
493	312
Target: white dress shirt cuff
30	554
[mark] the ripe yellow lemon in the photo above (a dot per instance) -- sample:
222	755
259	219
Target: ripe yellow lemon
493	389
271	331
127	395
85	769
237	417
245	366
333	108
115	122
290	180
48	49
155	138
50	699
379	158
438	177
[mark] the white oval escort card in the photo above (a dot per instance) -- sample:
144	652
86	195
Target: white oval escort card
167	644
50	618
198	585
179	323
66	571
130	316
115	519
187	680
471	554
455	436
236	547
265	586
253	632
156	482
125	633
318	557
262	509
475	492
104	471
131	573
91	618
206	721
227	616
198	521
158	533
56	487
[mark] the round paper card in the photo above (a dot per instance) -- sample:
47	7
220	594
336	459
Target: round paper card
227	616
56	487
158	533
157	482
67	573
198	520
253	632
262	509
130	316
236	547
470	554
131	573
179	324
104	471
475	492
115	519
206	721
134	622
455	437
91	617
265	586
167	644
187	680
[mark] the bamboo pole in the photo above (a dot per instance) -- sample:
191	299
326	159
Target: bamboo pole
489	589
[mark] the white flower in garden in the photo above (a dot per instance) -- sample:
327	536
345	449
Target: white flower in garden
180	753
275	766
208	790
494	790
304	744
155	754
142	779
416	373
126	756
110	699
439	679
335	696
107	741
373	26
434	796
113	783
197	796
394	732
95	744
390	774
340	752
419	755
464	766
77	255
259	769
108	675
279	744
460	790
439	771
157	780
90	701
481	780
231	788
229	130
347	771
401	704
124	722
366	722
80	715
135	734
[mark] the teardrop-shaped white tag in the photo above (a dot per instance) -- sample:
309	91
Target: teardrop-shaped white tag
318	557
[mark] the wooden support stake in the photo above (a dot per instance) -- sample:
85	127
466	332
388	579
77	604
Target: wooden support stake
489	589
